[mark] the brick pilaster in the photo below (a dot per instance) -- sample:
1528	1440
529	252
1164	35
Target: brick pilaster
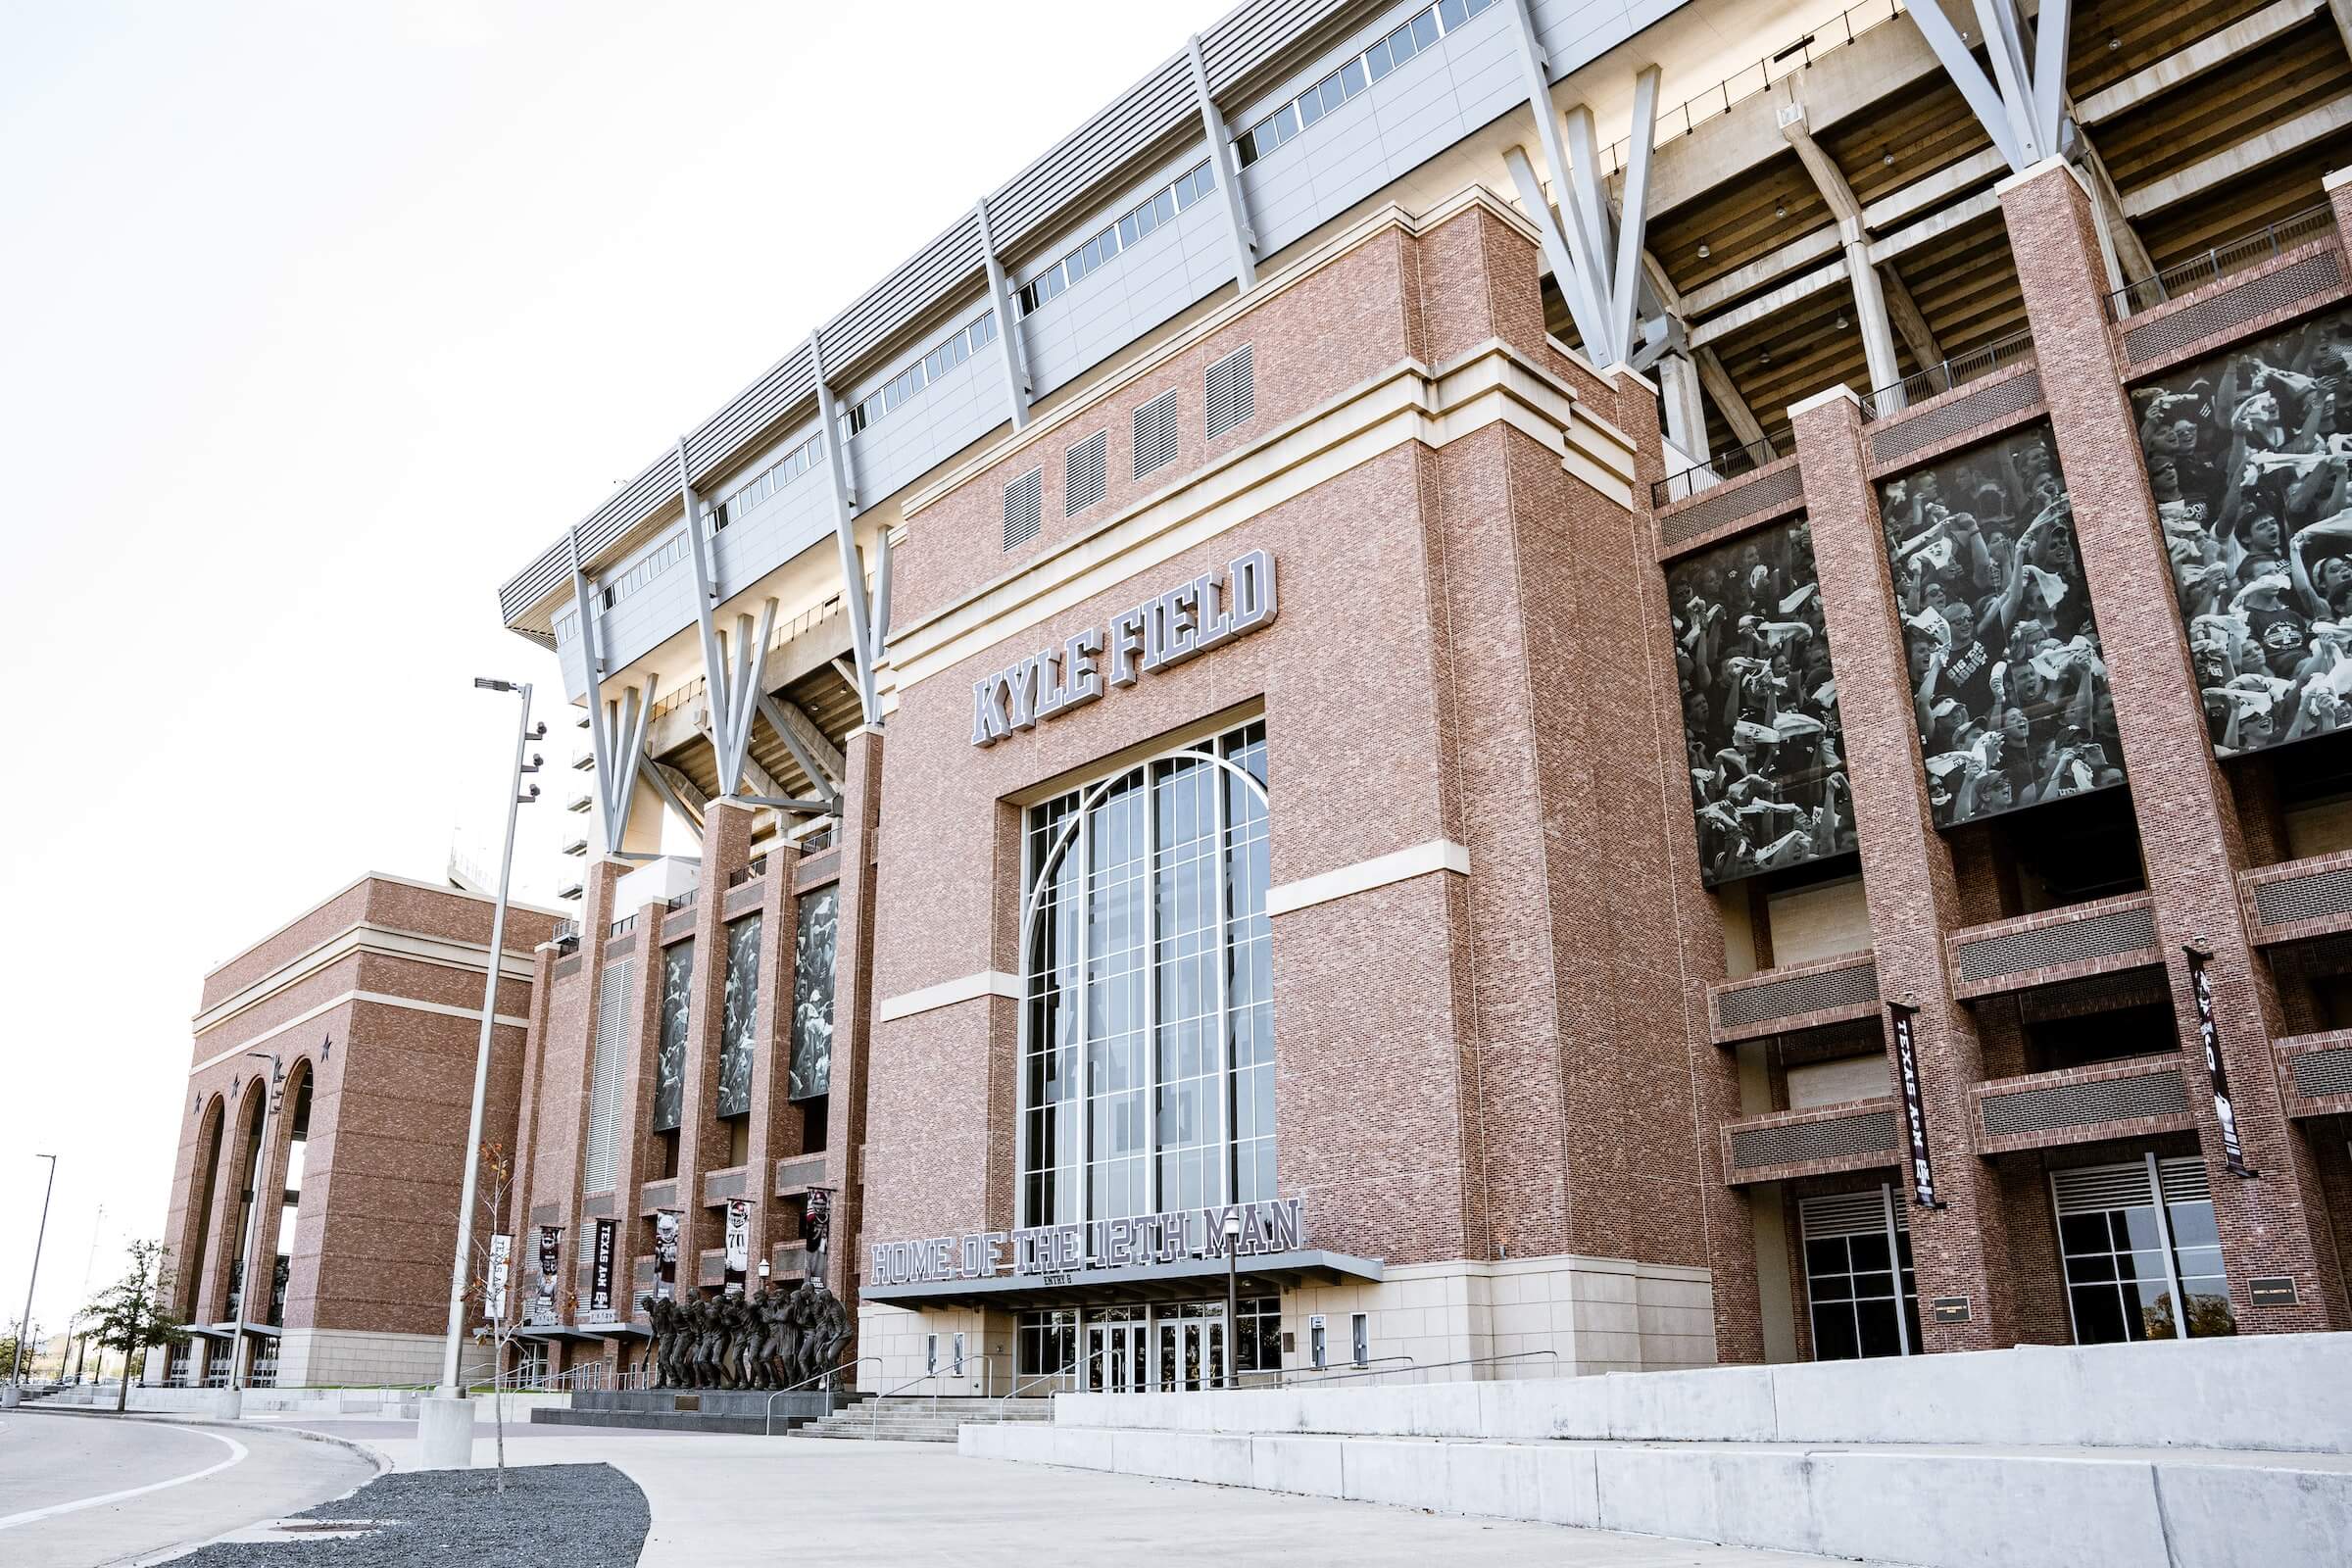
2188	827
703	1138
1960	1248
853	1009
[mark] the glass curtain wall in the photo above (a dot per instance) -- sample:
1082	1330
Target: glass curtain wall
1148	1059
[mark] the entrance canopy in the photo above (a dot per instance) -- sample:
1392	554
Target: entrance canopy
1183	1281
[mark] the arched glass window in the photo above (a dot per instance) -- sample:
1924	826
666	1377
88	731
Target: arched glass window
1147	1029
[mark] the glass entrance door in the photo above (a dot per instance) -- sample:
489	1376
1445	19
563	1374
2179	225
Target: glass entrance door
1116	1358
1191	1353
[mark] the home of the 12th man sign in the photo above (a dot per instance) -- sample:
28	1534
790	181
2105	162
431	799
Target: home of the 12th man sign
1164	630
1267	1229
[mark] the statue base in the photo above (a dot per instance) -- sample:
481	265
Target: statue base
740	1410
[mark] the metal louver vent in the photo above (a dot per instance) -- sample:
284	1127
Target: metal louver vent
2272	291
1852	986
1900	439
1232	392
1862	1213
1731	500
1085	474
2185	1180
2323	1072
1871	1132
2098	936
2098	1187
1023	508
2303	898
1155	434
2086	1104
604	1079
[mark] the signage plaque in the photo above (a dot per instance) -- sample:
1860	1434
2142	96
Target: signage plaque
1163	631
1057	1254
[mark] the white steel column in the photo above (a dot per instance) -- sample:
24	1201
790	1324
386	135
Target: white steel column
1012	355
1894	1261
1229	174
845	534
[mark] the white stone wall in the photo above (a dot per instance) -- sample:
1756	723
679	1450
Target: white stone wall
314	1358
1593	1314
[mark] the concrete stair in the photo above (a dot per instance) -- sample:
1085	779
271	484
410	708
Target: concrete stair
920	1419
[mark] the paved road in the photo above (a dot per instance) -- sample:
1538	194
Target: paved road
731	1503
79	1492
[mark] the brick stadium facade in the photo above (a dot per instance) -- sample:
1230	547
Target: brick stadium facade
1343	745
370	1006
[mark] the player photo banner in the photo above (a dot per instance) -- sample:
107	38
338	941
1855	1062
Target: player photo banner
1915	1115
2225	1111
2253	488
739	1236
494	1294
667	1224
1764	747
550	1272
2008	680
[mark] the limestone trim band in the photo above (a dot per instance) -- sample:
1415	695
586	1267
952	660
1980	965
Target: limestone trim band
1490	383
363	936
948	993
1401	865
379	998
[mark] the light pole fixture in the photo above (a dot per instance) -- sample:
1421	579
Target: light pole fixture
253	1224
524	733
1233	1301
17	1362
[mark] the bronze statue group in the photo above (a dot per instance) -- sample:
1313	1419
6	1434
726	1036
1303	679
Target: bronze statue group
772	1338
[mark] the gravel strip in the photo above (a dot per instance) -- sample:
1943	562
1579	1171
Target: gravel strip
572	1515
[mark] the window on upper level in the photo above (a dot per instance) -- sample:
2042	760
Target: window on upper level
1139	220
1354	75
902	388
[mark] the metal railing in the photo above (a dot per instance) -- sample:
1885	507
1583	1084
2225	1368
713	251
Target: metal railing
1433	1366
622	926
1728	464
1744	83
758	868
2220	261
825	1377
678	900
1958	370
567	930
803	622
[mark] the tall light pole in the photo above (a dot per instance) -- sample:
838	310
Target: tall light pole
452	1387
253	1225
16	1364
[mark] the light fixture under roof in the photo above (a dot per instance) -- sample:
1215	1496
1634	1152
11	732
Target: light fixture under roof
1842	321
1703	251
1780	209
1764	358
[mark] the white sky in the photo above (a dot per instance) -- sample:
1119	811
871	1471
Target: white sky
321	321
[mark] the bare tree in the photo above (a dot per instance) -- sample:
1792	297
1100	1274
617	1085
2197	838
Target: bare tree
493	1288
134	1315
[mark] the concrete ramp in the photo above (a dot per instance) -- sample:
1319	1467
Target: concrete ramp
2196	1455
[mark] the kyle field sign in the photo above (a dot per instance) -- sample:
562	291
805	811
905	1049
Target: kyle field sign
1050	1251
1163	631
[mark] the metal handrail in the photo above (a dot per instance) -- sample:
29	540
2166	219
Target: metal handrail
2220	261
1474	1360
1836	33
769	1422
1041	1377
1728	463
1327	1375
874	1412
1936	379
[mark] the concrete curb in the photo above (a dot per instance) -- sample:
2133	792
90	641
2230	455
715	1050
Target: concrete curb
374	1456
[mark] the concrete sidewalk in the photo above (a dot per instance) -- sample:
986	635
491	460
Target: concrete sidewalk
720	1502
